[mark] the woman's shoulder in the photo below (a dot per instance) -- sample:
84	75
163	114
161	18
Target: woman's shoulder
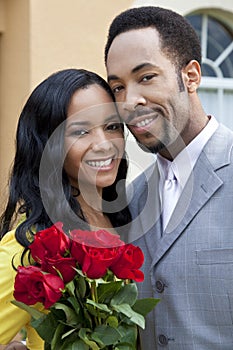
8	237
9	240
10	248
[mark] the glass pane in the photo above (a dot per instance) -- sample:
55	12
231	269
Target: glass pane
196	22
207	70
211	104
227	66
218	38
227	113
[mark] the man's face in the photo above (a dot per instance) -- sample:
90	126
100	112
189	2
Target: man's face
152	98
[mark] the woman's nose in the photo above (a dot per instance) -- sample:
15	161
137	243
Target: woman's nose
101	142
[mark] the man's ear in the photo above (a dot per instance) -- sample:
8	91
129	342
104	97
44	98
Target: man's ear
192	76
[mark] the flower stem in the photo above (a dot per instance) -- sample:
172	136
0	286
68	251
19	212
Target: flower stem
94	297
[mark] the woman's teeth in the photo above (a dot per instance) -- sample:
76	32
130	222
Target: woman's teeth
99	164
144	122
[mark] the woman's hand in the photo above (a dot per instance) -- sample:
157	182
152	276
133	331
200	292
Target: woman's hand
15	345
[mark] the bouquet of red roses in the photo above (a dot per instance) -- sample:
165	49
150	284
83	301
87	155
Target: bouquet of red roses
86	283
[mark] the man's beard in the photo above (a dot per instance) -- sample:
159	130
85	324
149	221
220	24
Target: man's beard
160	144
152	149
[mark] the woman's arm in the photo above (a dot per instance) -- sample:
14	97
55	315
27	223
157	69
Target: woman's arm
12	318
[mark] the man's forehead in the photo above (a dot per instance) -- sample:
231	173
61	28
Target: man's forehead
132	50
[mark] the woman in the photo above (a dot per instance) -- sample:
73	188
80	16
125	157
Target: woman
69	163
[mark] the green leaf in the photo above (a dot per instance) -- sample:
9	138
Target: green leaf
106	291
105	335
127	295
144	306
125	347
134	317
74	303
99	306
112	321
46	326
81	288
80	272
36	314
129	335
70	288
71	316
97	313
56	341
77	344
87	318
83	335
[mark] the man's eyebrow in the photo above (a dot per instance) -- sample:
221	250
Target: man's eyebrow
141	66
134	70
112	77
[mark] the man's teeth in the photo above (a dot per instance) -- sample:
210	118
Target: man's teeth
99	164
144	122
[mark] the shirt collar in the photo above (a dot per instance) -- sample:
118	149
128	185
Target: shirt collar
185	161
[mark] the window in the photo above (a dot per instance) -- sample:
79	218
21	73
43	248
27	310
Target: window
216	90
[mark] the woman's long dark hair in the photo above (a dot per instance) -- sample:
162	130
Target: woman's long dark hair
44	111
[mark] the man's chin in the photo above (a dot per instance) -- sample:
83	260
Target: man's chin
151	148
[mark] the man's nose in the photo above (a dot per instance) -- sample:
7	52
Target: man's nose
133	98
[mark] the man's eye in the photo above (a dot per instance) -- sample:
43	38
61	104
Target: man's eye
148	77
114	126
117	89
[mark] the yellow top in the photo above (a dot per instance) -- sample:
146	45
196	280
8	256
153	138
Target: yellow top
12	318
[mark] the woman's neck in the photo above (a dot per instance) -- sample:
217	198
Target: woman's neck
93	213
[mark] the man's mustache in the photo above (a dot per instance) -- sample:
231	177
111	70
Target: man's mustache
143	112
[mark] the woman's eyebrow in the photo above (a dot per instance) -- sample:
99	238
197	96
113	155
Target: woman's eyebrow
112	117
77	123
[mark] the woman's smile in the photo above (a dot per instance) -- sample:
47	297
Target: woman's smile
94	139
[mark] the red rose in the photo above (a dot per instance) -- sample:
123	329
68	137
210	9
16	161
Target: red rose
95	251
94	261
51	250
50	243
128	264
98	239
32	286
65	266
78	252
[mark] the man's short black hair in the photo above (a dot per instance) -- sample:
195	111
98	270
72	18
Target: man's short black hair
178	39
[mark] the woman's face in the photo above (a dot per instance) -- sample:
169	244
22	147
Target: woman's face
94	140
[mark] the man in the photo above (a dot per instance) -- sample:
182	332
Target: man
153	59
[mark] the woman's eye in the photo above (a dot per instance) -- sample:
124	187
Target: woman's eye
80	132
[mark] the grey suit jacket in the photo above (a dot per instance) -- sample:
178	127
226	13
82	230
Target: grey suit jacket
190	268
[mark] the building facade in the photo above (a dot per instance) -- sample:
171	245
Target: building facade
39	37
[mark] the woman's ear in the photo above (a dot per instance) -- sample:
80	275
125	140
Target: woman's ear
192	76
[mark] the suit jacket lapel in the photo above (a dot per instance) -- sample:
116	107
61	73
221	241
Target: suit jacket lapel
146	227
202	184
